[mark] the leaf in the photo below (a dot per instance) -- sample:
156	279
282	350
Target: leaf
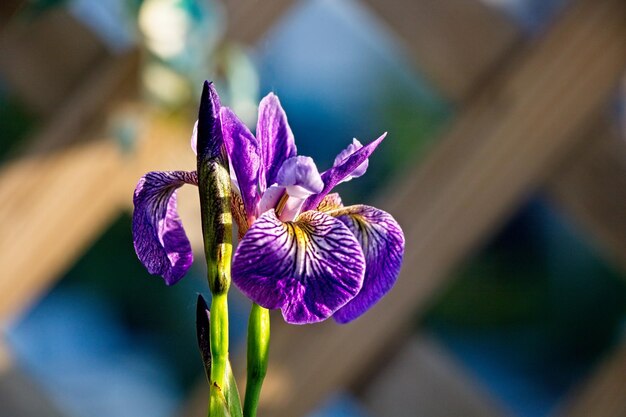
203	333
232	394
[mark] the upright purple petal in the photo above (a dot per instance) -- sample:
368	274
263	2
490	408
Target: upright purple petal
158	234
243	151
308	268
337	173
382	241
345	154
275	138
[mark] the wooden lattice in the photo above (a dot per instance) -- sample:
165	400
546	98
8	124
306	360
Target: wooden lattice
531	116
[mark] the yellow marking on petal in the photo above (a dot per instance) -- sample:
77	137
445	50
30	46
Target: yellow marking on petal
359	221
330	202
298	232
301	243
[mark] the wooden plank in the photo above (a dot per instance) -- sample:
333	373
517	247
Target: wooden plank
55	205
20	396
501	147
590	187
91	202
8	11
604	393
43	60
458	43
454	43
425	380
5	356
111	81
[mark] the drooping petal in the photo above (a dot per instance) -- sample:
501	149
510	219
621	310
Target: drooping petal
243	151
382	241
158	234
345	154
308	268
275	138
337	173
300	176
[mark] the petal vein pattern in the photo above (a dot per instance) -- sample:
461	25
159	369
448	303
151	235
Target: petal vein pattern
158	235
308	268
382	241
243	151
275	137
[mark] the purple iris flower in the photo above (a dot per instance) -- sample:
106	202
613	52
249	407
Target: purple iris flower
300	249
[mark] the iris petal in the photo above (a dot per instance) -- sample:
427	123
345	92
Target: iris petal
243	151
345	154
382	241
158	234
337	173
275	138
308	268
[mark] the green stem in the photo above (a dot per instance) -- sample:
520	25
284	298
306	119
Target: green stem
258	354
219	343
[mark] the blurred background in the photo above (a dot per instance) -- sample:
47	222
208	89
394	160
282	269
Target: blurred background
505	164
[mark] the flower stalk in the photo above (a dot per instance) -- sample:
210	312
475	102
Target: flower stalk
219	340
215	195
258	356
